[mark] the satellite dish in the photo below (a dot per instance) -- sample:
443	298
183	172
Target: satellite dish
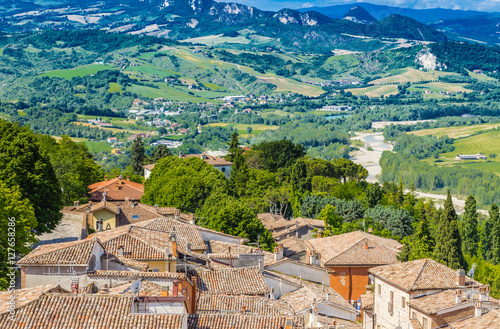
136	286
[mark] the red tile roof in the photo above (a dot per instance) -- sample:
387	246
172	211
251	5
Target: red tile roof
214	161
238	321
74	252
431	304
222	248
85	311
488	320
26	295
422	274
116	189
348	249
233	281
256	305
137	275
185	232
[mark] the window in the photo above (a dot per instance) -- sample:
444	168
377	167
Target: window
425	323
391	303
403	302
223	169
135	216
379	290
414	315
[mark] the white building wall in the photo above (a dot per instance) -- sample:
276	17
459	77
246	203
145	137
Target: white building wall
42	275
280	287
400	315
335	311
210	235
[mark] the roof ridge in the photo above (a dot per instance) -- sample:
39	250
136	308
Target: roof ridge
78	242
351	247
420	273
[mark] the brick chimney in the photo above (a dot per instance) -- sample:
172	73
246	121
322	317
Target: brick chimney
370	230
105	178
278	252
76	203
173	240
458	296
104	289
319	233
75	286
128	178
484	293
366	244
461	278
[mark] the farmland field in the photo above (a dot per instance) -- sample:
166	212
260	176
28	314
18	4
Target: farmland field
78	72
455	132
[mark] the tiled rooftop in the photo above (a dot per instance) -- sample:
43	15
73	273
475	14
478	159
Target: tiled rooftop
293	246
328	321
140	266
238	321
116	189
488	320
256	305
137	275
25	296
233	281
277	224
74	252
210	159
422	274
431	304
85	311
185	232
367	301
220	247
348	249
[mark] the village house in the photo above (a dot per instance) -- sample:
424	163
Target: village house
281	228
423	294
349	257
478	156
116	189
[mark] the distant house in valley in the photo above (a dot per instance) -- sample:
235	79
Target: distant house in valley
299	227
112	140
478	156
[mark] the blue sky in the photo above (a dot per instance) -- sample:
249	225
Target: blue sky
488	5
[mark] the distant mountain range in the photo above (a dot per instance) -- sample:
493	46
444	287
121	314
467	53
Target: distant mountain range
188	19
462	25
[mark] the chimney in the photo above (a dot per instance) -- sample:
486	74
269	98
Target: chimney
484	293
278	252
289	323
191	219
127	199
188	247
370	230
461	278
133	203
175	289
458	296
128	178
261	265
173	239
478	311
105	178
243	309
328	295
104	289
177	214
366	244
119	251
76	203
319	233
75	286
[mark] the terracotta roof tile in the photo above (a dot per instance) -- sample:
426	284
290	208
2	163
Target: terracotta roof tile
488	320
210	159
86	311
136	275
116	189
238	321
26	295
185	232
367	301
220	247
292	246
74	252
233	281
431	304
422	274
415	324
140	266
104	205
328	320
278	224
349	249
256	305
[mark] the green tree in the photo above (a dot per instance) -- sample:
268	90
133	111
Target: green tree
74	167
184	184
448	248
225	213
278	154
494	235
349	170
420	244
234	146
300	180
249	129
137	155
239	173
160	152
373	195
24	164
330	217
470	235
17	235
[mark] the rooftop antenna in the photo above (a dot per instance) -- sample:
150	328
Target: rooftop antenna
364	227
104	196
471	274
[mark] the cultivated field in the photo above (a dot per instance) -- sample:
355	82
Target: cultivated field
455	132
78	72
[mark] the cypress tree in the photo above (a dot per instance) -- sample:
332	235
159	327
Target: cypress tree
448	243
494	234
234	146
239	172
469	228
138	155
160	152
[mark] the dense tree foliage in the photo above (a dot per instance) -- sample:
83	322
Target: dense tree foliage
24	164
469	231
138	156
74	167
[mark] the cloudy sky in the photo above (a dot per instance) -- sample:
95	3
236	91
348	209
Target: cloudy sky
488	5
